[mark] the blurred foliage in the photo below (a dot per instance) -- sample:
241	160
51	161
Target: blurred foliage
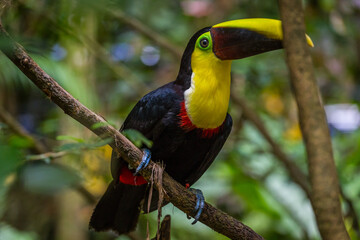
108	66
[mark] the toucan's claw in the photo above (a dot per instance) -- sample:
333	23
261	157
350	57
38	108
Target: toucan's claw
200	203
144	161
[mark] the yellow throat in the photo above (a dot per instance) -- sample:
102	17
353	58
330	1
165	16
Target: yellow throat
207	99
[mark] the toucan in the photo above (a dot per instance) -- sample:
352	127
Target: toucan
186	119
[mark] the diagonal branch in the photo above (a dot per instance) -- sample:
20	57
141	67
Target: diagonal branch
177	194
295	172
323	177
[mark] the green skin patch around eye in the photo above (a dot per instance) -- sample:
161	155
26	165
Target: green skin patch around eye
206	36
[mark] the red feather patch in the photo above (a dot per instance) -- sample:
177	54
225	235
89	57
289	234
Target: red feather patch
187	125
127	177
185	122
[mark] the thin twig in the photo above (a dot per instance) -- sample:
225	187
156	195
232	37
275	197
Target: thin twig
16	127
325	195
176	193
48	155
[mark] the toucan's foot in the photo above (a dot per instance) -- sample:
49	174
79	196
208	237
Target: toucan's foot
200	203
144	161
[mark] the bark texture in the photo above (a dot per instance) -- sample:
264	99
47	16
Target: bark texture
325	195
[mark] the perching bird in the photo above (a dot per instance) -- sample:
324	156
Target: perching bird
186	119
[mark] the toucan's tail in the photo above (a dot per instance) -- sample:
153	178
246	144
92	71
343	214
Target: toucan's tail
118	209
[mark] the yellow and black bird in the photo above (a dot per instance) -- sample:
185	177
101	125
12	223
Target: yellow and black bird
186	119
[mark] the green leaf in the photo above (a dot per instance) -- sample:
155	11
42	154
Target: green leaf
64	137
97	144
137	138
20	142
99	124
71	147
10	159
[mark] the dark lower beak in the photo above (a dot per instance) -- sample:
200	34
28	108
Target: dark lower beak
235	43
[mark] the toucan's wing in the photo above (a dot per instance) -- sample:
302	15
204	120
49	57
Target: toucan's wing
213	151
146	117
151	109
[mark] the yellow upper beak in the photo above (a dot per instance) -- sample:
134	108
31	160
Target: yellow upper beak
270	28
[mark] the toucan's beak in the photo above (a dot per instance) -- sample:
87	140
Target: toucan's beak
247	37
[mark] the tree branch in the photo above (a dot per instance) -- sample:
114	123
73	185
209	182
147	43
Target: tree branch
177	194
322	170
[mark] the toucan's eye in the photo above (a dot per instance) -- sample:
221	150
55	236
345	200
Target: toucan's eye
204	42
